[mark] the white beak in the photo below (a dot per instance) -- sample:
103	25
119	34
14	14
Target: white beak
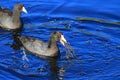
63	40
24	10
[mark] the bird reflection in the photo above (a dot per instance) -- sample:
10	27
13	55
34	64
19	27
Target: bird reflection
16	44
54	70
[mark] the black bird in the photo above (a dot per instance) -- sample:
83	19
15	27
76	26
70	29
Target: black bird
11	20
41	48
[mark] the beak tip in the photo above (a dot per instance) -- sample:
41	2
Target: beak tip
63	40
24	10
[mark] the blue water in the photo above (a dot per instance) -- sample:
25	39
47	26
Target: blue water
91	27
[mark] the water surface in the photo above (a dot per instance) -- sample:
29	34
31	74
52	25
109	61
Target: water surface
91	27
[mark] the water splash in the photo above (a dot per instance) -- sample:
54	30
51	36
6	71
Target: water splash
24	57
70	53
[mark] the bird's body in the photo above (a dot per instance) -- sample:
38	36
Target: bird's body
39	47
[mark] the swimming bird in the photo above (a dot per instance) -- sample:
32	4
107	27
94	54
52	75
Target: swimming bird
42	48
11	20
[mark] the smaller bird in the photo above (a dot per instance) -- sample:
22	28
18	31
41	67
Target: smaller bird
11	20
41	48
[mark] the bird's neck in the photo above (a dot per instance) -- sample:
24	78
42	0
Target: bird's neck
52	44
16	16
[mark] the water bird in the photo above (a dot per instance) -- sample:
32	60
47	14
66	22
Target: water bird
42	48
11	20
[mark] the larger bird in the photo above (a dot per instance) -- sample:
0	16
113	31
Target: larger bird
41	48
11	20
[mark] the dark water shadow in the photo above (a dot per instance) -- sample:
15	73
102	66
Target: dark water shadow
54	70
16	42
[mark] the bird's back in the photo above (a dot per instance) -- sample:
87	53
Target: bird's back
5	12
34	45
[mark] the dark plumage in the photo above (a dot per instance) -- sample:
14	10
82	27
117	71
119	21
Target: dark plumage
11	20
42	48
